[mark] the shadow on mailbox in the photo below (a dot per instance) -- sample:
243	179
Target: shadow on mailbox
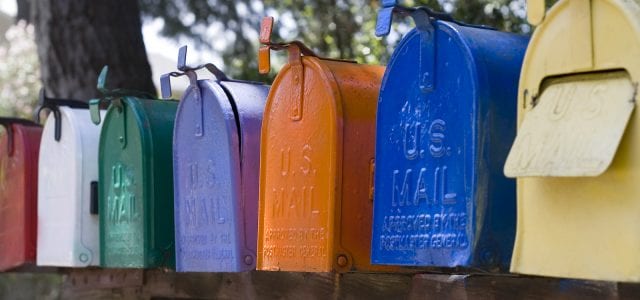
316	154
18	192
216	156
68	185
577	169
135	190
446	117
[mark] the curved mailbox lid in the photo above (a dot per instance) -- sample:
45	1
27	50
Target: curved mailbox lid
18	192
316	150
67	182
585	225
444	126
216	179
136	181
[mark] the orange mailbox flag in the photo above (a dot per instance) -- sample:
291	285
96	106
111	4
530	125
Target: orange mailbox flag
316	168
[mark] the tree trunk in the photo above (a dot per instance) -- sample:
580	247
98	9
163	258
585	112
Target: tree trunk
76	38
24	10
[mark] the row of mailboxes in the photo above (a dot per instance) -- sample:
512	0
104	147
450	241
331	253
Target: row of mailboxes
343	167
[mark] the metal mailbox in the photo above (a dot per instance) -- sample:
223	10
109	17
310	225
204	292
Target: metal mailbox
135	190
315	165
578	192
68	185
18	192
216	156
446	118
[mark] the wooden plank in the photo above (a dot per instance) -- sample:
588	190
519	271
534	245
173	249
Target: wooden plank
163	284
426	286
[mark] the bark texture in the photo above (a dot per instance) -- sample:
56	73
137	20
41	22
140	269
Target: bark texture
24	10
76	38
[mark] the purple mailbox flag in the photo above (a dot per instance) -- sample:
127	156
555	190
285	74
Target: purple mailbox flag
216	153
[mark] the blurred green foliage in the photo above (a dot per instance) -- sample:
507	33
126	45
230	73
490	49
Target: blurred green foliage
333	28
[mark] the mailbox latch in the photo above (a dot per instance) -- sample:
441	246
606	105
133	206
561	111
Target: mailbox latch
296	50
190	72
53	105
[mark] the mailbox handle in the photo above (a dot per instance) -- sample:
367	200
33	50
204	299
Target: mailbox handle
294	47
190	72
389	7
424	19
296	51
7	124
53	105
109	96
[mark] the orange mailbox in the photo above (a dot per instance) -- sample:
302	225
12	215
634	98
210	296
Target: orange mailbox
316	165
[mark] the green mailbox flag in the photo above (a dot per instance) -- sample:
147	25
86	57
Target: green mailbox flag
135	179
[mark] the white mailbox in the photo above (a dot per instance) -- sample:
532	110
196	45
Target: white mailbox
68	232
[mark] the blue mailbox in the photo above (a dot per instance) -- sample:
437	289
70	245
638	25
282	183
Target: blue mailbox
216	154
446	119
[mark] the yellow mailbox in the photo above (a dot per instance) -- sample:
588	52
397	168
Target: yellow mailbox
575	154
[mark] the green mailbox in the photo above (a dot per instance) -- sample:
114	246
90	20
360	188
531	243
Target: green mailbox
135	189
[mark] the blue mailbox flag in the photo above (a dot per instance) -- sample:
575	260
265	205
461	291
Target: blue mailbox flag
216	170
446	119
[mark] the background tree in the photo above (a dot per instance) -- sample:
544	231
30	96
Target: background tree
76	38
334	28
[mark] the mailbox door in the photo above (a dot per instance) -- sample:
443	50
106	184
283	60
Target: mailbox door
586	225
301	155
124	187
18	196
67	231
249	100
207	182
136	184
440	199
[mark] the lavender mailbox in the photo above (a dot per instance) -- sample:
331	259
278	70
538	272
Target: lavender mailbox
216	152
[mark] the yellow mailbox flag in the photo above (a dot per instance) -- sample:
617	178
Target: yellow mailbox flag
578	177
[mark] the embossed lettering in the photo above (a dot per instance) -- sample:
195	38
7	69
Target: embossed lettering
441	192
421	188
293	202
205	211
400	195
306	157
411	140
121	202
436	138
285	161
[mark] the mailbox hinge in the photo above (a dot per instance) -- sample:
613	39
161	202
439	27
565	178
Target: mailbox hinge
297	88
115	98
422	17
53	105
190	72
296	51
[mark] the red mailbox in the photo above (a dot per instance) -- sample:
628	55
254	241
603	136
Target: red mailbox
18	191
